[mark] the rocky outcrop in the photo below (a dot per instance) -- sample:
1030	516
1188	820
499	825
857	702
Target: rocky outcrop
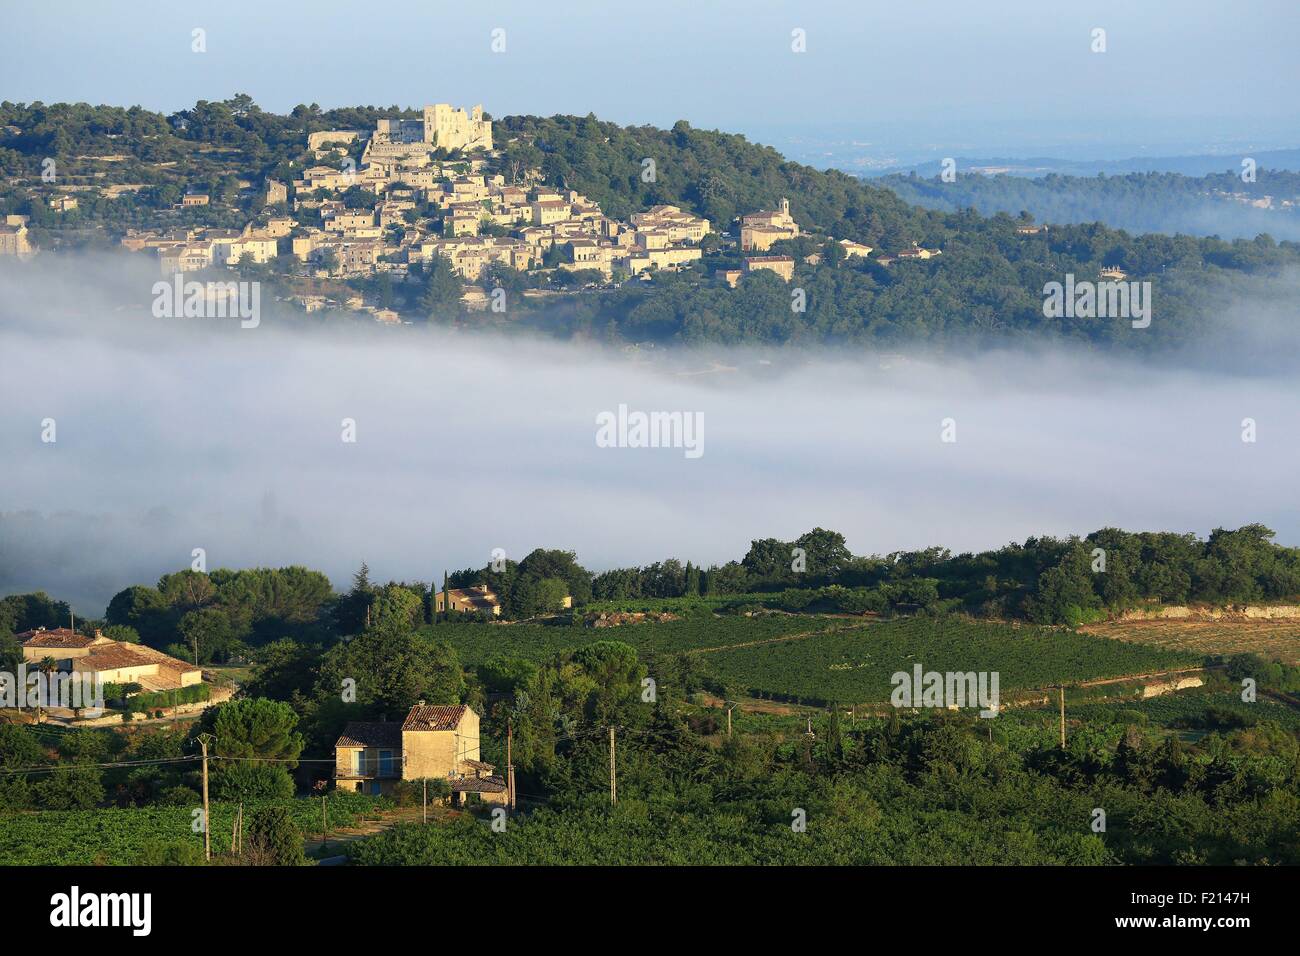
618	618
1168	687
1231	612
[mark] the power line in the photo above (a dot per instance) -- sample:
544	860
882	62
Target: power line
99	766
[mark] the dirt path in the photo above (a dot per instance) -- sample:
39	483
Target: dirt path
366	828
1157	675
755	706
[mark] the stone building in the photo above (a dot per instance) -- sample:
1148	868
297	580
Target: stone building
433	742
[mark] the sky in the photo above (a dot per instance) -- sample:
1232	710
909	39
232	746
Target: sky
948	75
176	434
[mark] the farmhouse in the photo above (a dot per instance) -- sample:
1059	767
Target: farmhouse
433	742
113	662
476	598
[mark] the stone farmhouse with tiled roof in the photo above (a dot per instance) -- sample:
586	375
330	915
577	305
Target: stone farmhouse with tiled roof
433	742
113	662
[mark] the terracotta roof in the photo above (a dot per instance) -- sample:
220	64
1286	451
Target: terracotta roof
479	785
55	637
479	765
362	733
433	717
111	657
166	660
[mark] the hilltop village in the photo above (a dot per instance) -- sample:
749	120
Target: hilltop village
394	200
430	189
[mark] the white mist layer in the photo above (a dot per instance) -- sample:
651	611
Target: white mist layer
180	434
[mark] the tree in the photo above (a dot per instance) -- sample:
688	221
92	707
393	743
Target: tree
122	632
606	682
143	609
352	613
533	596
442	288
768	558
273	838
257	745
23	612
396	607
392	670
825	551
68	789
208	633
834	737
542	563
282	670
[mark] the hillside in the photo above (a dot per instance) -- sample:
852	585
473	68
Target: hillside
982	286
1217	204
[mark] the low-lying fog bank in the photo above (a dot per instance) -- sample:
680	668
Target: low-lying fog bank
176	434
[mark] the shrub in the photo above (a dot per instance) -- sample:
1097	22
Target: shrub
178	853
410	793
273	838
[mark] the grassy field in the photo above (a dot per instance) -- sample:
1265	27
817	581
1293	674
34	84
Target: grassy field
1269	639
854	665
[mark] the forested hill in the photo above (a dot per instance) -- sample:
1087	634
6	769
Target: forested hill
717	175
1220	204
986	287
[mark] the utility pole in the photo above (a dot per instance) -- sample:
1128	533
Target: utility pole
1062	716
729	710
510	763
207	829
613	780
426	799
324	823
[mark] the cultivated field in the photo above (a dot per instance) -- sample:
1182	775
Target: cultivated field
475	643
115	836
854	665
1270	639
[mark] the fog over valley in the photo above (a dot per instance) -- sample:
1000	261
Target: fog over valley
176	434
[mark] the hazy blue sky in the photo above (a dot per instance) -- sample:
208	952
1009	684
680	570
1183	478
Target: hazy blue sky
1186	73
